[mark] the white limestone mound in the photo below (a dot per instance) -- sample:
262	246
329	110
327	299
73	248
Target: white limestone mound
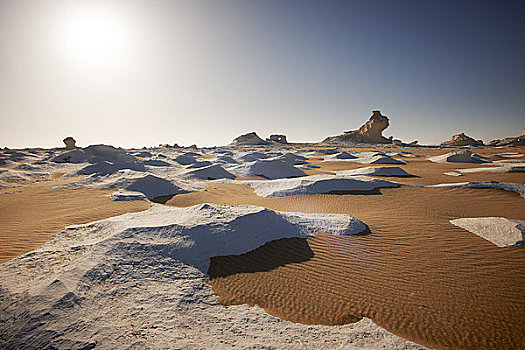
501	168
293	159
393	171
253	156
107	168
103	160
143	154
511	155
314	184
14	177
341	156
378	159
95	154
226	160
452	173
403	154
193	154
507	186
327	151
185	159
464	156
268	168
156	162
138	281
121	195
502	232
199	164
308	166
223	152
211	172
18	156
148	184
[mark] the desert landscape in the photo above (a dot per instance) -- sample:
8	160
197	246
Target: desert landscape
358	241
271	174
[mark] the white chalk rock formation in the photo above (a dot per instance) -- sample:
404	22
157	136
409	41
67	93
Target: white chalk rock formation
139	281
339	156
293	159
462	140
268	168
370	132
500	168
507	186
277	138
126	180
464	156
502	232
393	171
248	139
509	141
211	172
375	158
314	184
253	156
185	158
103	159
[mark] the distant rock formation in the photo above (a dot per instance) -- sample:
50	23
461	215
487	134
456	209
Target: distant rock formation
509	141
248	139
370	132
462	140
70	142
277	138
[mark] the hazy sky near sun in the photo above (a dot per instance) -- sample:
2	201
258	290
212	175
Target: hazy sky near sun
141	73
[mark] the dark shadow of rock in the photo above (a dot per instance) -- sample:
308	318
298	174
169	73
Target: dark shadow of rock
265	258
162	199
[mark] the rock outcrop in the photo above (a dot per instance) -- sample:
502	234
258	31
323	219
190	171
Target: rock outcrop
509	141
370	132
248	139
464	156
277	138
70	142
462	140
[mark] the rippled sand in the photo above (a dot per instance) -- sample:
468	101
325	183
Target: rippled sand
416	274
31	214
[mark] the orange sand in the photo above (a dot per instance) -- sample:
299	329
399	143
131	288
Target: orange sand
416	275
30	215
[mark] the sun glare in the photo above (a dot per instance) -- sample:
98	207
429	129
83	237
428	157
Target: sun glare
94	37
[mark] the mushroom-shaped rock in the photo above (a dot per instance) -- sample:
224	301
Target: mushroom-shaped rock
462	140
248	139
277	138
370	132
70	142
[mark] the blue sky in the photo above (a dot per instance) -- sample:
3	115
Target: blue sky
205	72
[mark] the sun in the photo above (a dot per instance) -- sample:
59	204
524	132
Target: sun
94	37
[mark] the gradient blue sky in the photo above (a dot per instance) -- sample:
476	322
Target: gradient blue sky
205	72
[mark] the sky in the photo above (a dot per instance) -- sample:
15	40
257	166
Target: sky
142	73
